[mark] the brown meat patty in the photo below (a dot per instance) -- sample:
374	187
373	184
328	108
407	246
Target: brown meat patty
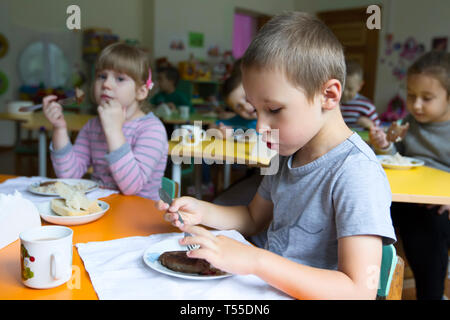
180	262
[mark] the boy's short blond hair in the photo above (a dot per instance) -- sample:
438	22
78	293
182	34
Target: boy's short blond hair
302	47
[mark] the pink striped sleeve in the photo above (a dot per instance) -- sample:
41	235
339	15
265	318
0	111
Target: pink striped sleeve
72	161
132	166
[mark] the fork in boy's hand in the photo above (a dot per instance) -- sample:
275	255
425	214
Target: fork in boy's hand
168	199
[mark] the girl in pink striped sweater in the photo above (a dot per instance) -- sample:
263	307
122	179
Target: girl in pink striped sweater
127	148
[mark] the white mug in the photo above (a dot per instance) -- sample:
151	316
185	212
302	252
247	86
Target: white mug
184	112
192	135
46	256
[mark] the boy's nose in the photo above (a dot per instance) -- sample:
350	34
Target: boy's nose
262	126
417	105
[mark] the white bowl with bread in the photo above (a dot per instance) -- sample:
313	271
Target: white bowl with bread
73	208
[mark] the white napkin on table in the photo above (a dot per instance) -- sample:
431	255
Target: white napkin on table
21	184
16	215
117	271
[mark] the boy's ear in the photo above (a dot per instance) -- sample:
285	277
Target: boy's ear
331	94
142	92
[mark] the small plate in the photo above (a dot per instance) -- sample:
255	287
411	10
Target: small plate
91	185
48	215
413	163
152	254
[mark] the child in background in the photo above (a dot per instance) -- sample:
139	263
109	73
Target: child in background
127	149
424	230
234	96
357	110
328	220
168	78
244	118
243	191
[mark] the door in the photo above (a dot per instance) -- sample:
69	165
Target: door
360	43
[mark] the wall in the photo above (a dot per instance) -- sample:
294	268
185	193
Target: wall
423	20
175	18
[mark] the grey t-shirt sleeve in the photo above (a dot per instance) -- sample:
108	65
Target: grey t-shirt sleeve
265	187
362	199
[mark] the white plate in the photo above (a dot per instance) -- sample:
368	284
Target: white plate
413	163
91	185
152	254
48	215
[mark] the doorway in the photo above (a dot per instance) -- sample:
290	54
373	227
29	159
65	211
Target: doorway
360	43
246	24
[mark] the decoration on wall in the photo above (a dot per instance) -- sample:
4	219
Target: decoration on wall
3	45
439	44
398	56
196	39
214	51
177	44
4	83
410	49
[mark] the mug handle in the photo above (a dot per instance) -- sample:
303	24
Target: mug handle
56	268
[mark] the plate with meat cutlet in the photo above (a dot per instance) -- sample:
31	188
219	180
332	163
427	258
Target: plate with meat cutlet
169	257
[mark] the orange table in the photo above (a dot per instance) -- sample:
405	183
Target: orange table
128	216
420	185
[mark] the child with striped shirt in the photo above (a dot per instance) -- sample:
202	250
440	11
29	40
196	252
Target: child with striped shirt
126	148
357	110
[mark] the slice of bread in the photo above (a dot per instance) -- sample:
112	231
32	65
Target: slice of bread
59	207
74	202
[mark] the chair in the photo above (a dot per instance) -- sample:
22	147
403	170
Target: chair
391	275
170	186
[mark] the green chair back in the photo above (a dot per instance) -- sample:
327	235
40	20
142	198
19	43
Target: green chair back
169	186
388	262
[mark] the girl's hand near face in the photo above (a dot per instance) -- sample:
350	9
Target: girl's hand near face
378	138
222	252
112	116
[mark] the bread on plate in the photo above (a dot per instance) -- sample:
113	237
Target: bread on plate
74	202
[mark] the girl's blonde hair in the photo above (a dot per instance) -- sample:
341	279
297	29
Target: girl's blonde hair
127	59
435	64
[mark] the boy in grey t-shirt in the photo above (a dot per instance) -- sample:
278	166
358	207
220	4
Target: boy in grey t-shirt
343	193
327	207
